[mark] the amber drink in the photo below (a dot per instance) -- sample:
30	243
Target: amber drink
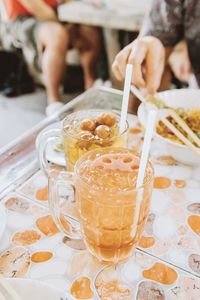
87	130
106	195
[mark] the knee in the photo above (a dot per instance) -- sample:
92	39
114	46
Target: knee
55	36
91	33
59	33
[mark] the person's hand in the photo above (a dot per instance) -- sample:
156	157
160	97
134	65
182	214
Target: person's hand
180	63
147	55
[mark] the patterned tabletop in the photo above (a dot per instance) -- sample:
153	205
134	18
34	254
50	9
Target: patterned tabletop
166	265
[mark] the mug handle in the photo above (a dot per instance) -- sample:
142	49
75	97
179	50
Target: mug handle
42	143
62	204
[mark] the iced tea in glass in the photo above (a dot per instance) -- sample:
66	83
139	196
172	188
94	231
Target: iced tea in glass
81	132
112	212
87	130
107	202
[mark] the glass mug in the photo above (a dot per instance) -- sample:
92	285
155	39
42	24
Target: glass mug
100	203
81	132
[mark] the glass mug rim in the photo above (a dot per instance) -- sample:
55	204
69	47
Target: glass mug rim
115	112
112	150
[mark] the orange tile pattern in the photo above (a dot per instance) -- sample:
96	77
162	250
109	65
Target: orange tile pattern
194	223
41	256
180	183
81	288
161	273
46	225
42	194
162	183
26	237
146	242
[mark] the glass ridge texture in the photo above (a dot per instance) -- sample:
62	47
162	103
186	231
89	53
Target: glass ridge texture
106	196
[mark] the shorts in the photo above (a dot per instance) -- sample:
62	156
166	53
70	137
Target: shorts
23	33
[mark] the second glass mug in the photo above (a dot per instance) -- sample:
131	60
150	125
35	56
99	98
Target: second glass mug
111	211
76	141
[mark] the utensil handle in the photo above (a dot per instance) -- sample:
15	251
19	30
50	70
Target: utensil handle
138	93
44	140
180	135
62	203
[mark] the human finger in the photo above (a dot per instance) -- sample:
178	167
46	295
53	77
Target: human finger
120	62
155	62
137	58
116	71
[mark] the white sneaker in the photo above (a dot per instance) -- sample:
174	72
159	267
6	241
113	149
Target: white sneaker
107	83
98	82
53	107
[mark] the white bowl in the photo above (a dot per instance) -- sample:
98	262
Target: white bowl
186	99
32	290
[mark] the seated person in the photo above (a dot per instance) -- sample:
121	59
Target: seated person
34	23
169	23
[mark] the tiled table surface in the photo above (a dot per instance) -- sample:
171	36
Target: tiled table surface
165	266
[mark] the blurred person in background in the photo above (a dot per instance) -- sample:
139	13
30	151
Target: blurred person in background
172	29
34	23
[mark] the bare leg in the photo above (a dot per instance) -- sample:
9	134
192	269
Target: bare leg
53	38
88	41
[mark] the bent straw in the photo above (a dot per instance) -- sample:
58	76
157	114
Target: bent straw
151	121
127	86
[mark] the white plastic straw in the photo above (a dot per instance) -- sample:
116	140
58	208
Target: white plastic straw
151	121
127	86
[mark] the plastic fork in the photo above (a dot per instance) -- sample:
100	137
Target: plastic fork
138	93
163	116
